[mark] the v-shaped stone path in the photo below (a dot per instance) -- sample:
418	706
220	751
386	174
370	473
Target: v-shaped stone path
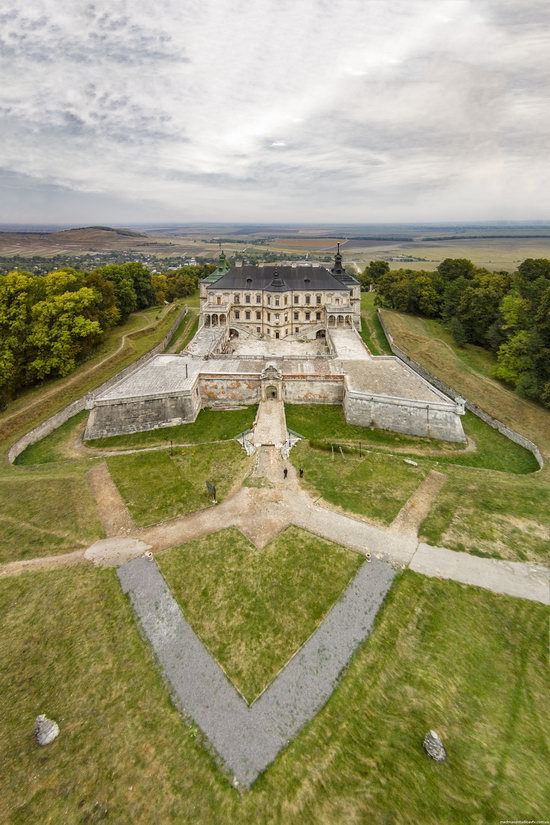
248	737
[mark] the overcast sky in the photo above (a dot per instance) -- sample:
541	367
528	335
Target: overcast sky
274	110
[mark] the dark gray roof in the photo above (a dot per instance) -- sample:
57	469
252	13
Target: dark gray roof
280	278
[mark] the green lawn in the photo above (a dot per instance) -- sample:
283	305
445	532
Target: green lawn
466	662
45	514
371	329
493	451
255	608
55	446
375	485
157	486
490	515
326	422
189	335
210	425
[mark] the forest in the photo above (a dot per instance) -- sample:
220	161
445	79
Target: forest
506	313
50	323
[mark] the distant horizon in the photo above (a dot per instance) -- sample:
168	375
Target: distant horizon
32	226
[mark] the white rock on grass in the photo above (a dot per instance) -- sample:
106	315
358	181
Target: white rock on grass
45	730
410	462
434	746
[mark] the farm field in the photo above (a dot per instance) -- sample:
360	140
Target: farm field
494	247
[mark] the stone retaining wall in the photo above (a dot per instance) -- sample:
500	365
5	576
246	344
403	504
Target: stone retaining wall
55	421
517	438
403	415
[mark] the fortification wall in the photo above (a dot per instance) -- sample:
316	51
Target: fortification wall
439	421
140	414
327	389
229	390
514	436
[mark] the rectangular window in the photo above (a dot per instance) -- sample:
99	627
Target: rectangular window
269	300
269	316
308	299
247	315
277	316
258	329
247	299
297	329
286	300
258	299
277	301
308	316
296	316
296	299
236	299
318	316
317	299
258	316
237	314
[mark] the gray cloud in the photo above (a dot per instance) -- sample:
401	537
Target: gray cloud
343	110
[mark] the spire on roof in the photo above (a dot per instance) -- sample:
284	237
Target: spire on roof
277	282
222	261
338	267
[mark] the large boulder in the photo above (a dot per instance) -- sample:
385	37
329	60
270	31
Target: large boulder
45	730
434	747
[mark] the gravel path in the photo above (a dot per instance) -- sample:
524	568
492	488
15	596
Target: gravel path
513	578
248	738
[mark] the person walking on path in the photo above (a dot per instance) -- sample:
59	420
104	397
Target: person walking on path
285	472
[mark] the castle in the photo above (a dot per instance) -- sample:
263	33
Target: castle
281	301
289	333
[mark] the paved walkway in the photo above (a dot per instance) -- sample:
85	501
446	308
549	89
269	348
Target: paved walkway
270	428
248	738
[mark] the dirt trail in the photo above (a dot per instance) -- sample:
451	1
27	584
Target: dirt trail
416	509
111	507
14	568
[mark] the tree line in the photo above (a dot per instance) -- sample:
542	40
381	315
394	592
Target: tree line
507	313
50	323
